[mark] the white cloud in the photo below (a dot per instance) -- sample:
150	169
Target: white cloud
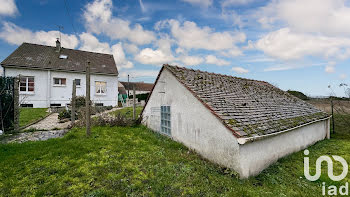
285	44
154	57
343	76
189	36
8	7
331	17
226	3
139	73
240	70
211	59
100	20
14	34
91	43
291	65
119	56
202	3
131	48
161	55
330	68
191	60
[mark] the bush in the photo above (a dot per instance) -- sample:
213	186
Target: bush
65	114
298	94
118	120
79	102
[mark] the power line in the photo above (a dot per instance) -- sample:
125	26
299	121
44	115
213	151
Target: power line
69	16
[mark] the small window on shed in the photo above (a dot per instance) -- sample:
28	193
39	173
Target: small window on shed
165	118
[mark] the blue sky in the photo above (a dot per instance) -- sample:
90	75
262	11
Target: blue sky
294	44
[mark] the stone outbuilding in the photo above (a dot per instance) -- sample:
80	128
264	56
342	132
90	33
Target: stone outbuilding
242	124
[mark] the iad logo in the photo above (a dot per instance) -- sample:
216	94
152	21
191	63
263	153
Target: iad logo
332	190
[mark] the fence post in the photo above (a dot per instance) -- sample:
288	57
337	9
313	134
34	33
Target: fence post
133	103
332	116
16	103
87	100
73	102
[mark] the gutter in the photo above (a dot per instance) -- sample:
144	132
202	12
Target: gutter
242	141
57	70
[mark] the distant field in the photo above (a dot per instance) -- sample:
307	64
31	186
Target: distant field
325	105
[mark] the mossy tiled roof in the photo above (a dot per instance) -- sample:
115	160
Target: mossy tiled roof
35	56
248	107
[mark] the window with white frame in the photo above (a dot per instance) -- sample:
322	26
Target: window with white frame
165	118
100	87
77	82
26	84
59	81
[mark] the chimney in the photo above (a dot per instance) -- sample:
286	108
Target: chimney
58	45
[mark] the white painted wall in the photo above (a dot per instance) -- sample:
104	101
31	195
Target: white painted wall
45	93
258	155
197	128
192	123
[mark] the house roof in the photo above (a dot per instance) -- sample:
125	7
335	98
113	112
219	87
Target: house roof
249	108
139	86
121	90
36	56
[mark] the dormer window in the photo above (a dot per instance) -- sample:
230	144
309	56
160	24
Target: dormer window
63	56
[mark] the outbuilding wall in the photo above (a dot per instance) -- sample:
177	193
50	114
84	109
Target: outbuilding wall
45	93
191	123
258	155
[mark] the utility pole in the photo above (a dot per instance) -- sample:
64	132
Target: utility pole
87	100
332	115
73	102
134	104
128	86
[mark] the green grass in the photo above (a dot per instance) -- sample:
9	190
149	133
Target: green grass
30	115
119	161
127	111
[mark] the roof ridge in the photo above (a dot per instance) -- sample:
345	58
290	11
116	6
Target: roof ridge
219	74
67	48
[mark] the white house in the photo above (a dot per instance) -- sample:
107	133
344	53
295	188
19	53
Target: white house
239	123
47	74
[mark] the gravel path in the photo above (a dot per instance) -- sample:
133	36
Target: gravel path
49	123
48	128
34	136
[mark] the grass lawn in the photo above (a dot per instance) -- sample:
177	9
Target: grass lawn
29	115
127	111
117	161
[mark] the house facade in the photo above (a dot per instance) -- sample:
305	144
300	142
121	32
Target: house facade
242	124
47	73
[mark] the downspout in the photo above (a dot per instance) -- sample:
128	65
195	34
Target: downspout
256	138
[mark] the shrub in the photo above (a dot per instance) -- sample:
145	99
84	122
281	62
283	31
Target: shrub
118	120
64	114
79	102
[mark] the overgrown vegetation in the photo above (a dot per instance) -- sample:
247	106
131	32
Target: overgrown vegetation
298	94
119	161
80	109
30	115
127	112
